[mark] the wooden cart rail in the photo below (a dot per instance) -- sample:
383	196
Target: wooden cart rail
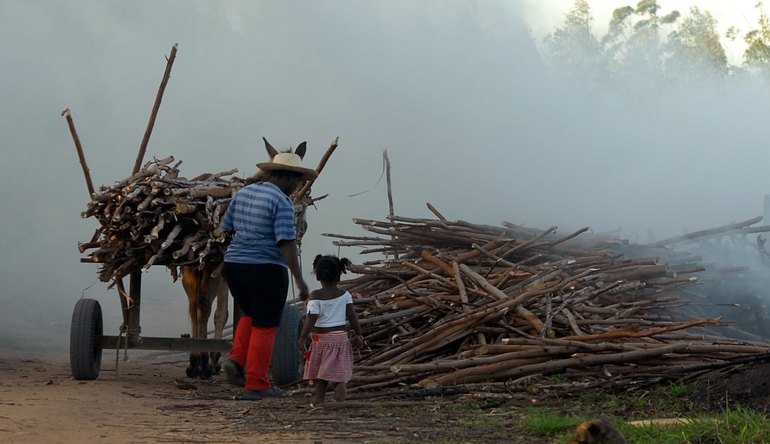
172	344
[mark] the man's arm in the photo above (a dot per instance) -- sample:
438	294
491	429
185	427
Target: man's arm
291	256
227	221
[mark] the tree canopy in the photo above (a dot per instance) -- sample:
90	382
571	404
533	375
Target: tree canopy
647	43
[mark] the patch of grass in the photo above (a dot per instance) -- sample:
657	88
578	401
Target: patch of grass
486	421
736	426
679	389
656	401
589	397
748	425
544	422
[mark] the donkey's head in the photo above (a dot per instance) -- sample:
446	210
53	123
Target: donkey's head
286	171
300	151
284	163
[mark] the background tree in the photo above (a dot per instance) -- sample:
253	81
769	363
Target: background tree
573	47
644	50
696	50
634	43
757	54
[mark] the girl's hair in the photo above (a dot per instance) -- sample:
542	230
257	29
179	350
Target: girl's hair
330	268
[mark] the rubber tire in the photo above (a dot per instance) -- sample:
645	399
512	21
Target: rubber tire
287	363
85	337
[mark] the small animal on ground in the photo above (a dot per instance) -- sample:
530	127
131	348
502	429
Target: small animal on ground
597	432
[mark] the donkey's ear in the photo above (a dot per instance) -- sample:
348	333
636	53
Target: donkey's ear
270	150
300	151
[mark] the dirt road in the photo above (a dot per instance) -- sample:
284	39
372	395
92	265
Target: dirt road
150	400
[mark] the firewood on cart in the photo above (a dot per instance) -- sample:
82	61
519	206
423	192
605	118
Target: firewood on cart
158	217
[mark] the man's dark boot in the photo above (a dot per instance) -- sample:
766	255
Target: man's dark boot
234	372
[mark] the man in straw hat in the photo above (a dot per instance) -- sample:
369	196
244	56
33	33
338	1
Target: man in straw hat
261	218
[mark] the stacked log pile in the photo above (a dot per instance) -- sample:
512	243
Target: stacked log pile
458	303
156	217
735	278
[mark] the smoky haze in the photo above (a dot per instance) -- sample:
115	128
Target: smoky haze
473	119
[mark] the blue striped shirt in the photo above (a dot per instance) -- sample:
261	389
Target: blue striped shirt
260	215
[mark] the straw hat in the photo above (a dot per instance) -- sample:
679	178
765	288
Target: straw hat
287	162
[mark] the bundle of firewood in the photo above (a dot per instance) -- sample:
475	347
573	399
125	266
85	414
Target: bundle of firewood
456	302
157	217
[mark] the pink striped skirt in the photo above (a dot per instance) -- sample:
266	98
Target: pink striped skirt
331	358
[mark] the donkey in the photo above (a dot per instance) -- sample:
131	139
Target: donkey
203	286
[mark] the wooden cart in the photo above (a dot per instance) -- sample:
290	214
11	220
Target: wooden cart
87	338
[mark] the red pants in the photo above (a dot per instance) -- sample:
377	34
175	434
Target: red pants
253	350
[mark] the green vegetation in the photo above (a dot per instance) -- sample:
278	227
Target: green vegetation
632	415
649	45
736	426
545	422
672	413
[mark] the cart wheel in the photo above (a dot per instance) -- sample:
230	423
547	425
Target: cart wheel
288	363
85	334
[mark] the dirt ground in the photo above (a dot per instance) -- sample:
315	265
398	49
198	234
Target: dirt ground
148	399
746	385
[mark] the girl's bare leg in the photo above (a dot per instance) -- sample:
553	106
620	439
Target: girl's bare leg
340	392
320	391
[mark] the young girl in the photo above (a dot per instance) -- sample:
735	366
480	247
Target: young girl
331	354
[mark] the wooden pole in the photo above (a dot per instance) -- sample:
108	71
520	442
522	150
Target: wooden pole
134	328
709	232
436	212
319	168
390	194
387	180
68	115
155	108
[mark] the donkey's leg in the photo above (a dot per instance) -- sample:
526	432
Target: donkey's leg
193	281
220	319
204	312
193	368
199	359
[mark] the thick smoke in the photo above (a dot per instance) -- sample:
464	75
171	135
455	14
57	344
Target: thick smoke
473	119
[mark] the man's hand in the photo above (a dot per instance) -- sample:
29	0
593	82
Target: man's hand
303	290
291	256
358	341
